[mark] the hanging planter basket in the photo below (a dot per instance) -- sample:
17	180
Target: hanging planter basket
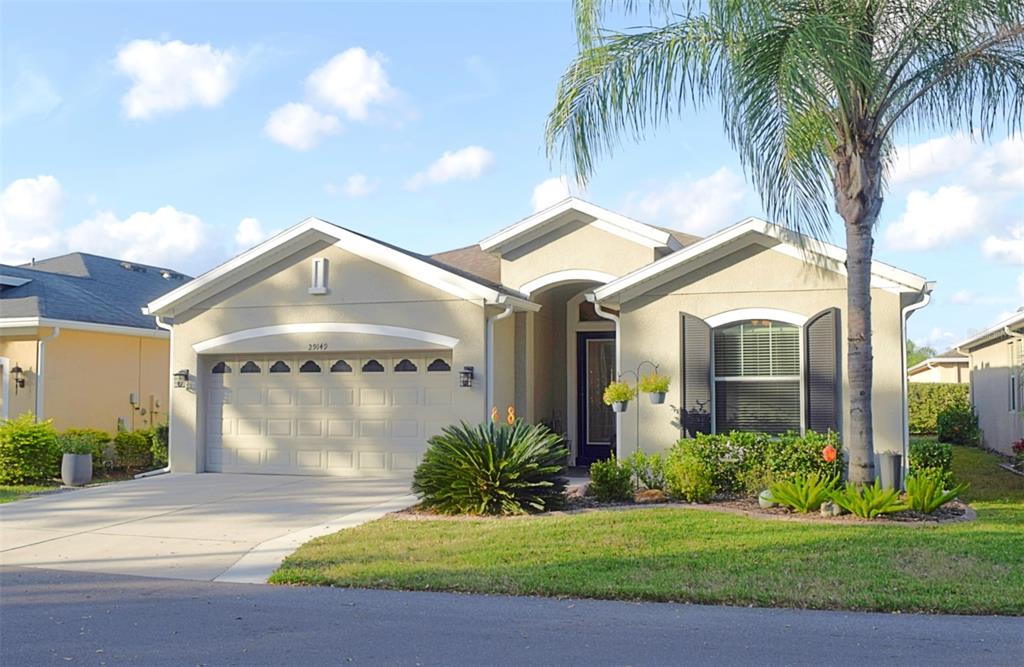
620	406
657	397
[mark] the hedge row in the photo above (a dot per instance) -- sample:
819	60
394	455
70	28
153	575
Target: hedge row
928	399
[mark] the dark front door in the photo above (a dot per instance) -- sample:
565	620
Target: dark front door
595	368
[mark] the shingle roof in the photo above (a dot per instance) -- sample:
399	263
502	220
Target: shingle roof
86	288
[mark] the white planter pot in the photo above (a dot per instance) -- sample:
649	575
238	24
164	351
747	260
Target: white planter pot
620	406
657	397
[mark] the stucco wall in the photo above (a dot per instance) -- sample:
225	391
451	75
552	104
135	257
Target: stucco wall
573	246
990	380
20	352
754	278
948	373
359	291
88	377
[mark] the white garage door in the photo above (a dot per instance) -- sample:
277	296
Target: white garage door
358	415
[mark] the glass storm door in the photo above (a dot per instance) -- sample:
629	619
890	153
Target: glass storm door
595	364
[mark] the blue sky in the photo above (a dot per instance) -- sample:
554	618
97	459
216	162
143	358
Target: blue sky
177	134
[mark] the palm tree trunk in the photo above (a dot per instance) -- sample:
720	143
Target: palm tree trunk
858	202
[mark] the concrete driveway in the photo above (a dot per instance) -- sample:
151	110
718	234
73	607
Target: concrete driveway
208	527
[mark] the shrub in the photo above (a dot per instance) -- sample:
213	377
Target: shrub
28	450
75	444
750	462
1018	454
132	450
158	445
654	383
931	457
925	491
868	502
99	441
803	493
690	478
611	481
492	469
927	399
958	424
648	470
618	392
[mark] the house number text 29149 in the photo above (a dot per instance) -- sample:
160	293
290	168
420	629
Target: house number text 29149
317	347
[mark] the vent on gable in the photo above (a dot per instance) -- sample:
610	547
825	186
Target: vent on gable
319	281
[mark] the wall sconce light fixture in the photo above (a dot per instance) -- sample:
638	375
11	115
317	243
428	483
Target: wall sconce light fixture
466	376
18	375
181	378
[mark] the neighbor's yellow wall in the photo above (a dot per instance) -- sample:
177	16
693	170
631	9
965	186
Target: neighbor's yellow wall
946	373
754	278
990	393
20	351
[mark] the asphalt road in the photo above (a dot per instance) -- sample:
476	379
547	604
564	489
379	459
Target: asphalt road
50	617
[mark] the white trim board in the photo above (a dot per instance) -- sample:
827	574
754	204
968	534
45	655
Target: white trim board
117	329
327	327
312	230
560	214
740	314
566	276
5	393
746	232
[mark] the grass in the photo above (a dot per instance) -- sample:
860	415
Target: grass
700	556
12	492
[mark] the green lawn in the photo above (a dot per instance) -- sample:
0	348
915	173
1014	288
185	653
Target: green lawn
10	492
700	556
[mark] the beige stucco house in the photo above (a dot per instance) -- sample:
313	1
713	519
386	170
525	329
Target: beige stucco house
949	367
75	346
323	351
997	371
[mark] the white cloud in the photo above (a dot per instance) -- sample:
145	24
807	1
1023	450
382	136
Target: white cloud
466	163
697	206
933	220
932	158
165	237
1007	249
939	338
1002	165
549	192
1020	285
351	81
249	233
300	126
963	296
358	185
169	76
30	94
30	209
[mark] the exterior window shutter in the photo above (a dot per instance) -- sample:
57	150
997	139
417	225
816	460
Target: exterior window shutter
822	350
695	374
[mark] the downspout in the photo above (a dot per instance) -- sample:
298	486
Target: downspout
170	403
601	312
489	342
926	297
1013	334
41	370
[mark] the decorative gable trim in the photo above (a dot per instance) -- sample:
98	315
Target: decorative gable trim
573	209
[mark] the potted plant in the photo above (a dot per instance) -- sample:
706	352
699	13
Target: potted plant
655	385
76	464
617	394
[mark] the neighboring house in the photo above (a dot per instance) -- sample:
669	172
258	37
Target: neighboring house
75	346
324	351
997	371
949	367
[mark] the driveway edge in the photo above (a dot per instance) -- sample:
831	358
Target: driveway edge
256	566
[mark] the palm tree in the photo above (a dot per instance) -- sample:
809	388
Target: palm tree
812	93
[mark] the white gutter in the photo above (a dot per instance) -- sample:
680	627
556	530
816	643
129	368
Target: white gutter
489	363
41	370
170	389
926	297
23	322
601	312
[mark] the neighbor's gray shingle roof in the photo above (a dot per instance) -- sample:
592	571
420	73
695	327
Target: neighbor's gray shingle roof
86	288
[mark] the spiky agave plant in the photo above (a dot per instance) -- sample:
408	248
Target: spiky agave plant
804	493
493	469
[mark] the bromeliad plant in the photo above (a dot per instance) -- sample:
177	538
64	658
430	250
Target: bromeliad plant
925	491
804	493
868	501
492	468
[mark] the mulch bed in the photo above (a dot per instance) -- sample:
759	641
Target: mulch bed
953	512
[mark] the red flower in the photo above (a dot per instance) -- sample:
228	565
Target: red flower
829	453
